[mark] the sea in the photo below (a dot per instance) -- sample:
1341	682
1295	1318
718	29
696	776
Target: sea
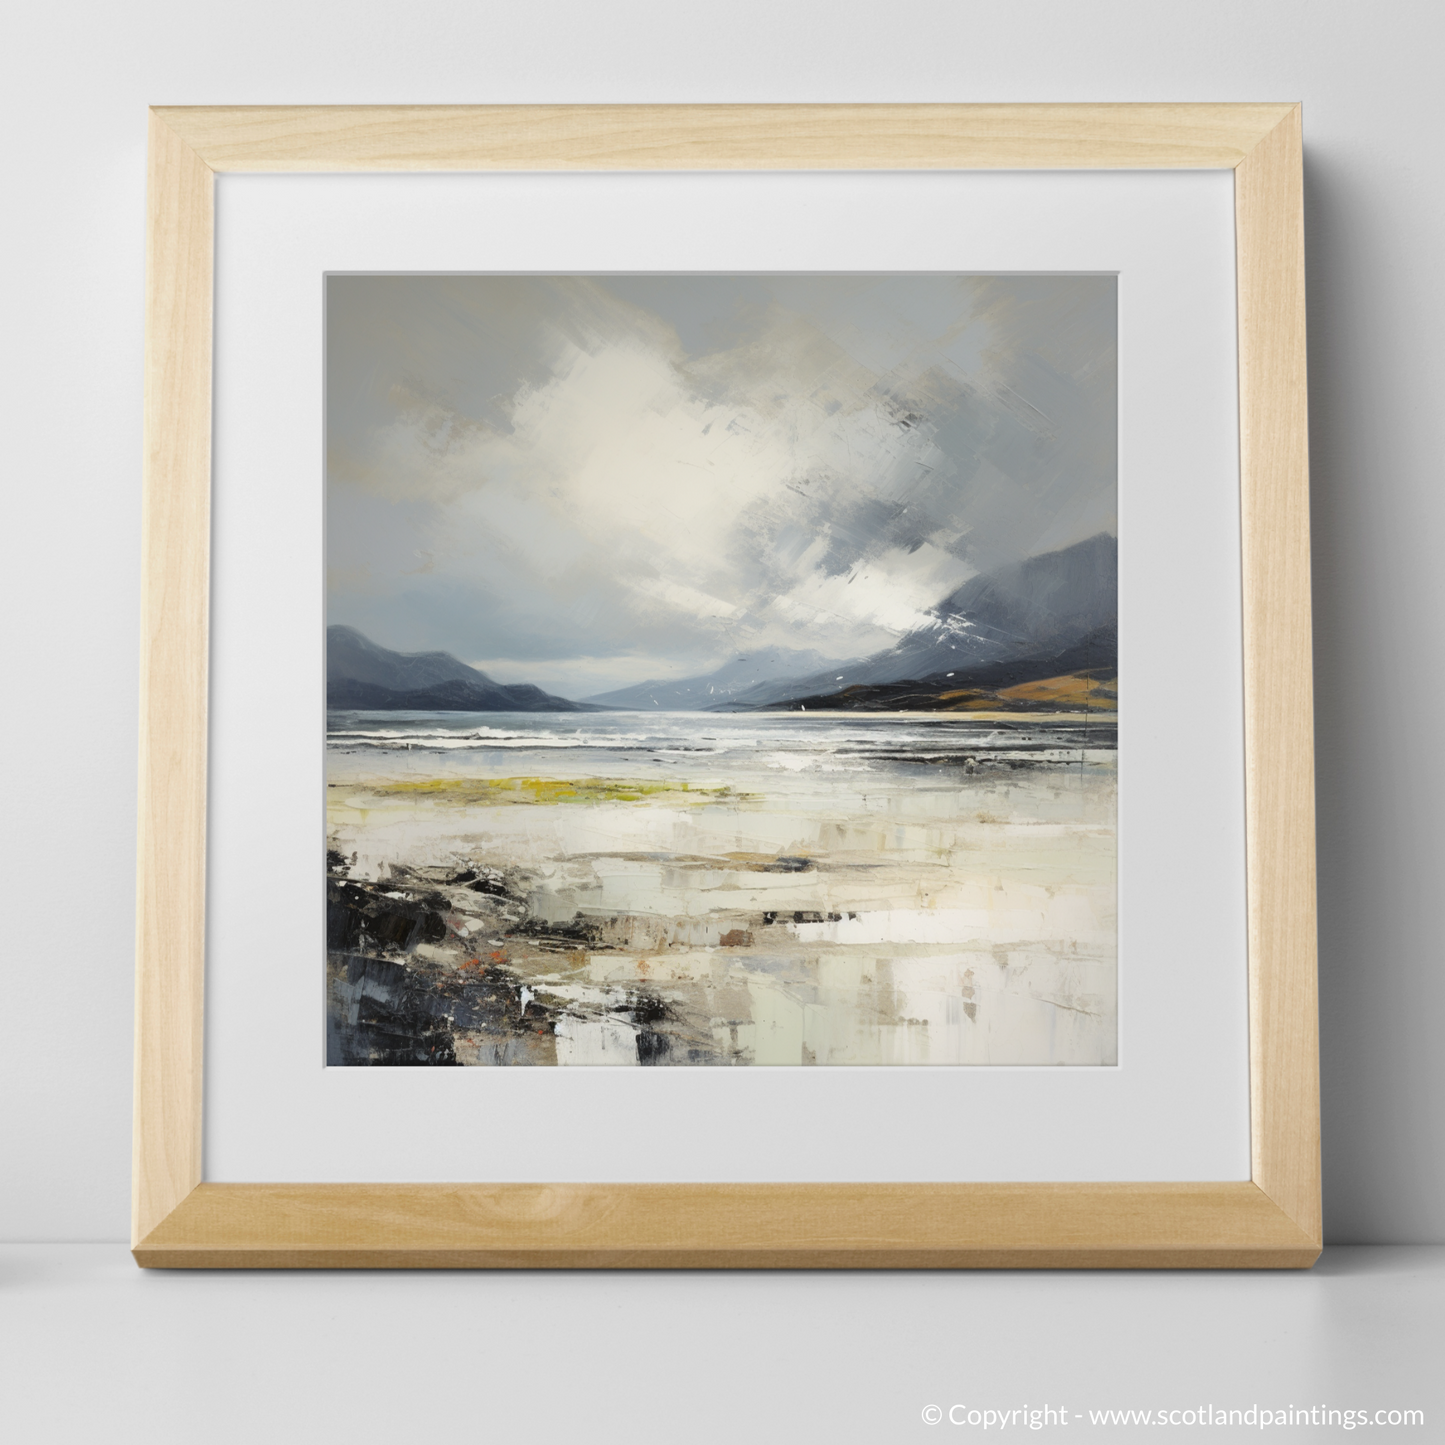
786	741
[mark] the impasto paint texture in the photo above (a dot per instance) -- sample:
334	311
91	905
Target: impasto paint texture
721	670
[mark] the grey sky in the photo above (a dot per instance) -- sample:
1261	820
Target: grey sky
587	481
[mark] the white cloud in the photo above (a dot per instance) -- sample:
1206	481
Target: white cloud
622	463
890	594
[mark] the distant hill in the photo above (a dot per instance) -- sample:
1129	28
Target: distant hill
690	694
1025	613
364	676
1075	692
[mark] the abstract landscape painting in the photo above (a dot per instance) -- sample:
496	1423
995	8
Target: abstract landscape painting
721	670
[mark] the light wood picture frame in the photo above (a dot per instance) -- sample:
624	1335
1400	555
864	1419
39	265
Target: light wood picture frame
1271	1220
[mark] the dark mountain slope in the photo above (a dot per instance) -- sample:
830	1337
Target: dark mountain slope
364	676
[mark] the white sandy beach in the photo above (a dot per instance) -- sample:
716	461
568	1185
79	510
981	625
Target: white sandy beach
774	899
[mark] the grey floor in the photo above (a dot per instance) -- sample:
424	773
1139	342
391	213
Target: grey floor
93	1349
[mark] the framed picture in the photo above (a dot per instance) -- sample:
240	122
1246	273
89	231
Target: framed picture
817	760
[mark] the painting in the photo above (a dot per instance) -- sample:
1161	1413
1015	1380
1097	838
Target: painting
721	670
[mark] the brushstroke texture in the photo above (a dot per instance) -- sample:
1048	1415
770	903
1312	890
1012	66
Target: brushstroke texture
722	671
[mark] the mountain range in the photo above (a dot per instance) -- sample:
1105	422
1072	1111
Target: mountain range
741	674
1040	633
362	675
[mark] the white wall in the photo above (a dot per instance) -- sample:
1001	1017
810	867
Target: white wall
77	76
